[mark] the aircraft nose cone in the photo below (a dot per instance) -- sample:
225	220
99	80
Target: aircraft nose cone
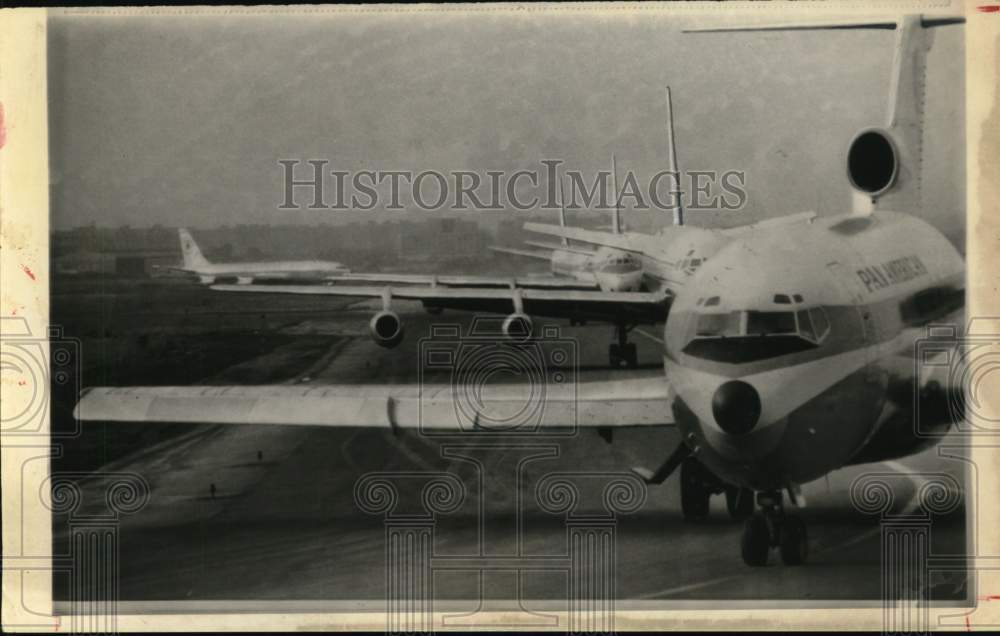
736	407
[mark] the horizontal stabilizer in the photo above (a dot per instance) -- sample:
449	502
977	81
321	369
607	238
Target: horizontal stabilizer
562	248
619	241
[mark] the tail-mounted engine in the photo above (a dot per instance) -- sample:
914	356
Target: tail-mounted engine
872	162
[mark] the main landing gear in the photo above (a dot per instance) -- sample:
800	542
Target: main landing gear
698	484
772	528
623	352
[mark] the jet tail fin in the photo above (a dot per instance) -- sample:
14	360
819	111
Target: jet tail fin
616	219
562	211
884	161
191	254
672	162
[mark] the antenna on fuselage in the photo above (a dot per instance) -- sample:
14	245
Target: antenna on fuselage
616	220
672	163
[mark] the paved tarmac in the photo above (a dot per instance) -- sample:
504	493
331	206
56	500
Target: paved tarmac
285	525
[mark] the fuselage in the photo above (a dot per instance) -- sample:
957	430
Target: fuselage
271	267
611	269
790	353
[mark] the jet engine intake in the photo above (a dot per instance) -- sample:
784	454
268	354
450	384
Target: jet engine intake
872	162
386	329
517	327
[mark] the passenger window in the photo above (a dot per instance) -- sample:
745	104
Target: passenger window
821	326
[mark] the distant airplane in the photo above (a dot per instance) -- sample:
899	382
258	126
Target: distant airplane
623	278
605	268
793	352
245	273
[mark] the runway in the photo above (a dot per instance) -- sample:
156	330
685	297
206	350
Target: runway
282	522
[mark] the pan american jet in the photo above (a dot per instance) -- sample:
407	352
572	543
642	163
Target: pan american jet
788	354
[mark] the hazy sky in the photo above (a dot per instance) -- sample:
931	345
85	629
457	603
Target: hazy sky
181	120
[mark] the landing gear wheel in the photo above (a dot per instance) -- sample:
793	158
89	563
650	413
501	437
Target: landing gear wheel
622	352
739	502
794	541
630	355
694	496
756	541
614	356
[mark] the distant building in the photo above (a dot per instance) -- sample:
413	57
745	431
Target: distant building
85	262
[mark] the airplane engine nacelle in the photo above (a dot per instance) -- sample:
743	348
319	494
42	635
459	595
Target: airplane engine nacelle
872	162
386	329
517	327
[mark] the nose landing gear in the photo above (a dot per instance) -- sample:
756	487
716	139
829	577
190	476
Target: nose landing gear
772	528
698	485
623	352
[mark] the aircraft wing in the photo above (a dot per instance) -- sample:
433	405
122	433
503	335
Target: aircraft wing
509	282
592	237
440	407
552	247
582	304
519	252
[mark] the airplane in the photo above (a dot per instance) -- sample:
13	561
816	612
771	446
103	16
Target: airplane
791	352
245	273
662	263
607	268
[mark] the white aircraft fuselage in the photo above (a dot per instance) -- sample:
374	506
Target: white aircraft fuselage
790	352
611	269
274	268
193	262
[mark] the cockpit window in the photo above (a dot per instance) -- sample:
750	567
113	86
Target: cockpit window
766	323
821	325
805	325
746	336
727	324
